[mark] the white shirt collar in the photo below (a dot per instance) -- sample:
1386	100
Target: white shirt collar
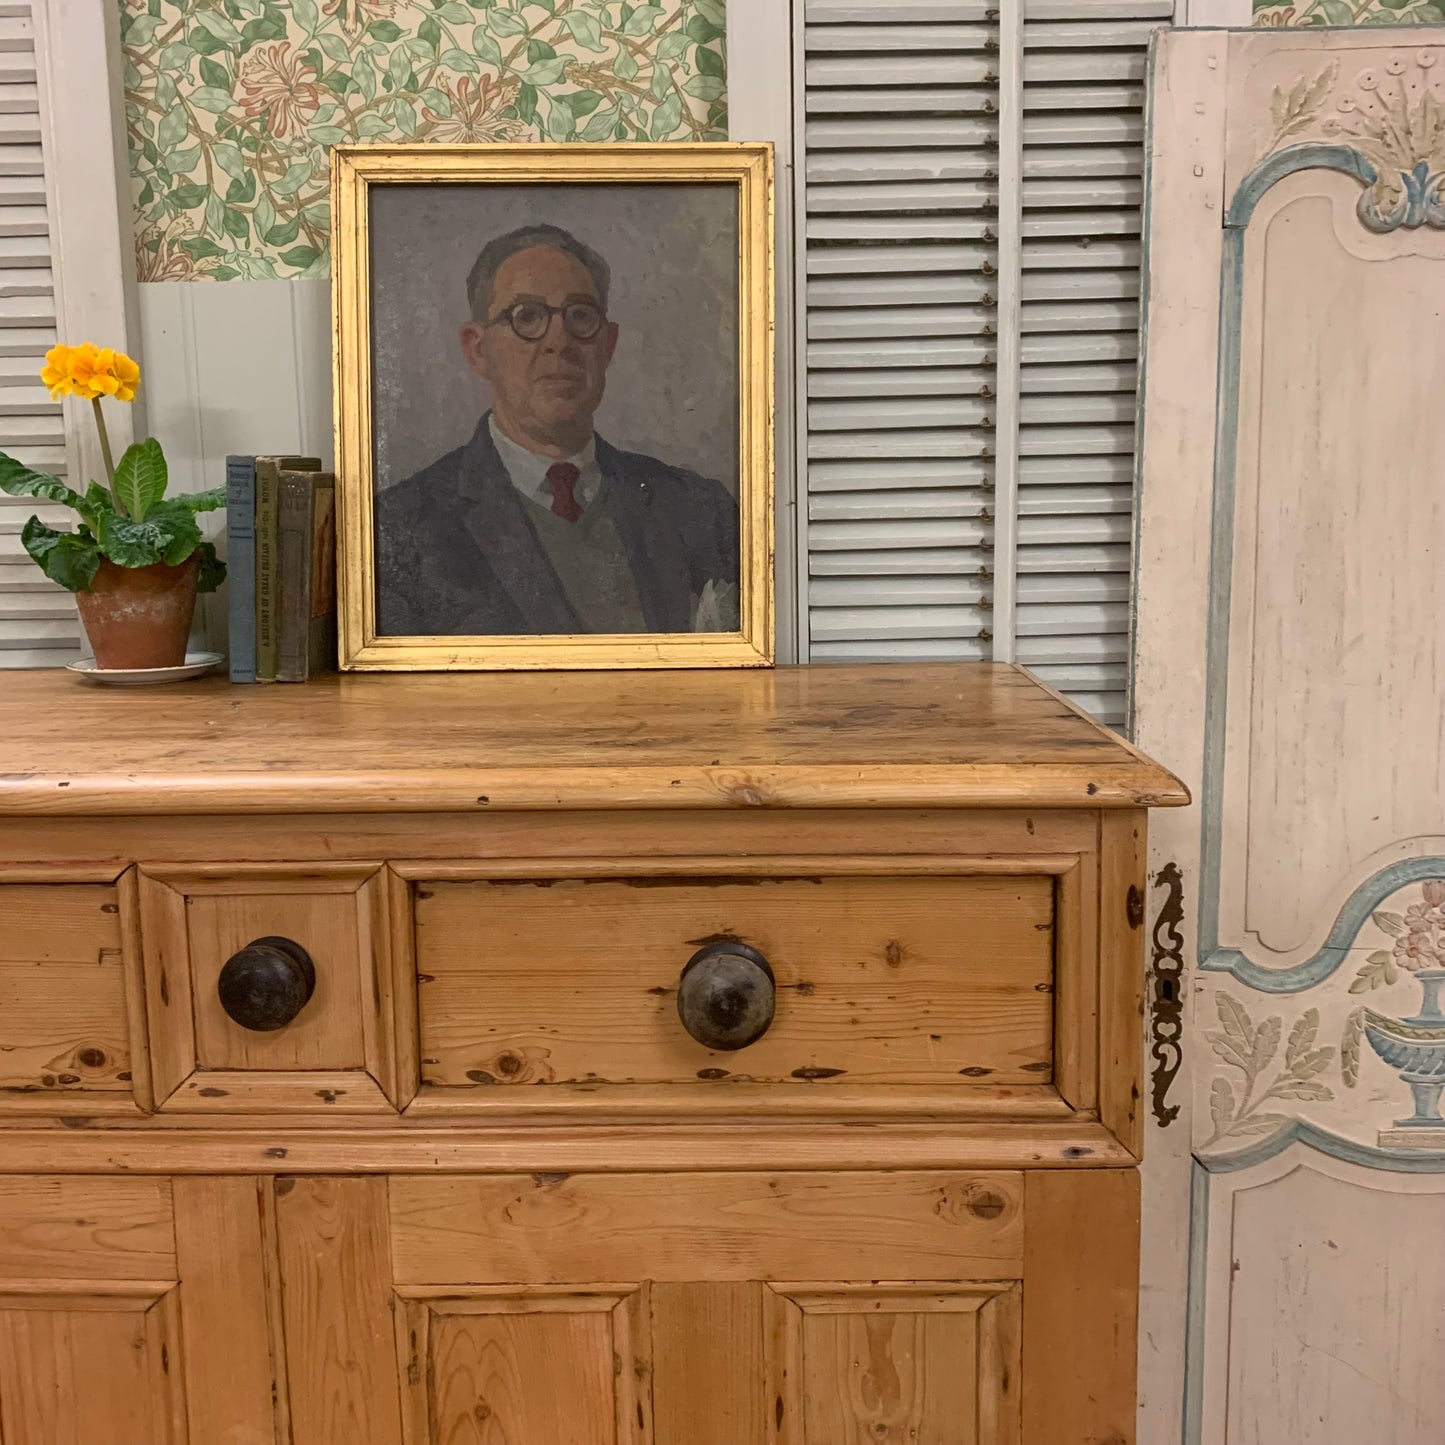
528	471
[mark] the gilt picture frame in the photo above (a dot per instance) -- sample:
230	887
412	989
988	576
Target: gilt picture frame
554	373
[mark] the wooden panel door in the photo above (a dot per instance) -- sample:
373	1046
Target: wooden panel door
709	1309
133	1311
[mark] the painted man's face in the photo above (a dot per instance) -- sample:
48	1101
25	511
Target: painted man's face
545	390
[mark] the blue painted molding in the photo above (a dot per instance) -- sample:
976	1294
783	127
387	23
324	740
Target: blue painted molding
1351	918
1415	209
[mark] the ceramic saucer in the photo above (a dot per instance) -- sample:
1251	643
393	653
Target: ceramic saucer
195	664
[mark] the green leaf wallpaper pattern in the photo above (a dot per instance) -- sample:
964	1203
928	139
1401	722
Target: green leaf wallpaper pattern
1348	12
231	105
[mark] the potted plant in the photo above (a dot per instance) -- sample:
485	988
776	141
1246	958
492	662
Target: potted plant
137	558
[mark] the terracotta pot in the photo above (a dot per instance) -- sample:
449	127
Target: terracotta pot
140	616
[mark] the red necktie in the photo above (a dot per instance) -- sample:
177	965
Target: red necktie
564	478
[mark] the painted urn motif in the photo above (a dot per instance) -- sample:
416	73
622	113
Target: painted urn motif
1415	1045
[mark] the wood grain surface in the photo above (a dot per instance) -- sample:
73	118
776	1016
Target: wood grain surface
879	980
552	1228
63	1025
933	735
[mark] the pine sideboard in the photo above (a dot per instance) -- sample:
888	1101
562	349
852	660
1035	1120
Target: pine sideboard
705	1058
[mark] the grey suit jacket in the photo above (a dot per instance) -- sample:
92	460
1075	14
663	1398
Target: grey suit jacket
457	555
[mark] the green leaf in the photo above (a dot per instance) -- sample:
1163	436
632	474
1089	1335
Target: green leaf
211	500
436	101
560	123
236	225
223	273
141	31
584	28
405	113
19	481
431	32
212	98
175	57
229	158
539	50
599	127
305	11
583	102
212	570
327	135
300	256
187	198
214	73
457	14
398	68
485	46
705	87
338	50
701	30
504	22
242	192
661	82
711	10
318	270
527	103
673	45
385	30
283	235
643	20
166	94
203	43
64	557
264	217
140	477
459	60
1396	4
666	117
548	72
364	78
709	62
216	24
371	126
296	177
168	534
268	27
200	247
318	214
625	66
1337	12
174	127
184	161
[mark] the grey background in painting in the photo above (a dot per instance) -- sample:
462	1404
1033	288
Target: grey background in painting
672	391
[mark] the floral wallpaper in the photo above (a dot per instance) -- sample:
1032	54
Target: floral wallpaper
231	105
1349	12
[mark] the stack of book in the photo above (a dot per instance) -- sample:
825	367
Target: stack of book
281	568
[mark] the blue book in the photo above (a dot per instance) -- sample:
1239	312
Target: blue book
241	565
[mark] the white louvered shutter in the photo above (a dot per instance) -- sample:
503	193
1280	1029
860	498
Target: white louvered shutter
38	622
902	188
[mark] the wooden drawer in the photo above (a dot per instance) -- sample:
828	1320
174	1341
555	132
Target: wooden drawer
880	981
337	1053
65	1026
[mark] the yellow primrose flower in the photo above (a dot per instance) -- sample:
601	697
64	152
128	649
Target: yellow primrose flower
88	371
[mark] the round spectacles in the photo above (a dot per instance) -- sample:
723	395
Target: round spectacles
531	320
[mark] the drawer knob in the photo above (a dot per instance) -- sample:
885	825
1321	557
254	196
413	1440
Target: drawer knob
725	995
267	983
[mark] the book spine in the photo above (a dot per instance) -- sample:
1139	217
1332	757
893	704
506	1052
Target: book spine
268	478
321	652
292	589
241	566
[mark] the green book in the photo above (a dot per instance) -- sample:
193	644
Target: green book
306	576
268	534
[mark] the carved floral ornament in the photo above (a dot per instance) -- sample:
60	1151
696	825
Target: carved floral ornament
1391	115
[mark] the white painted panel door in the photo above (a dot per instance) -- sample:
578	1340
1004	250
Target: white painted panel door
1290	664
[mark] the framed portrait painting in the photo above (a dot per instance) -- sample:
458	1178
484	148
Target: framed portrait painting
554	379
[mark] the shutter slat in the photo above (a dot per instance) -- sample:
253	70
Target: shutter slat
905	352
934	290
938	381
845	445
964	473
866	71
863	260
881	39
893	134
897	105
873	321
895	506
909	561
833	230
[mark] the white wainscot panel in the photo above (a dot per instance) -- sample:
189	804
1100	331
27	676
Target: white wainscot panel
1325	1308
